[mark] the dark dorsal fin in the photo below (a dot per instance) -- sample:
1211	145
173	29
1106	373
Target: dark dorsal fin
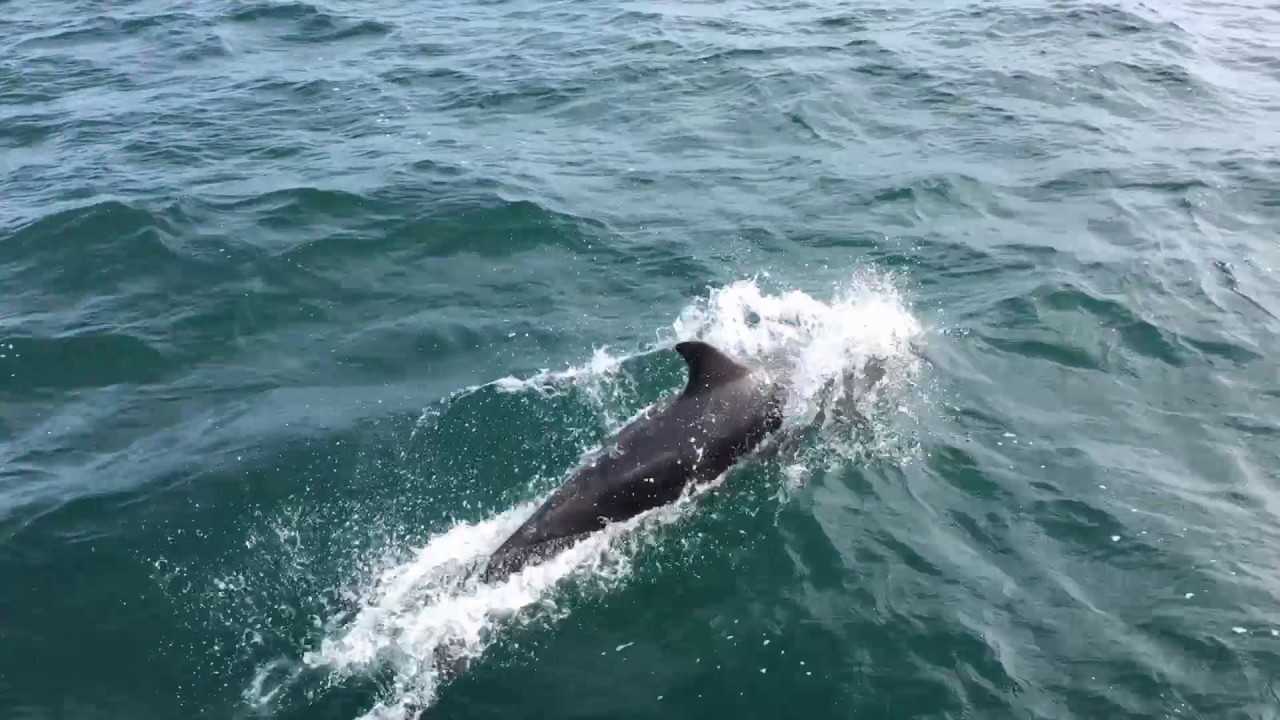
708	367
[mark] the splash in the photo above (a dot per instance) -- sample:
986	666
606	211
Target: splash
826	354
428	617
422	618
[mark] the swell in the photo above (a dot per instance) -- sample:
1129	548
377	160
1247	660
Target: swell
305	23
111	247
105	29
93	359
445	226
91	249
1082	20
1040	324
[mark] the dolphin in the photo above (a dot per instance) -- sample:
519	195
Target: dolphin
724	414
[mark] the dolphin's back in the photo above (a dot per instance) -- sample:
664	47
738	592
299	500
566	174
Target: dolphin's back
723	414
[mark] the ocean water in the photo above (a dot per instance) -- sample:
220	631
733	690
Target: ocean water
306	305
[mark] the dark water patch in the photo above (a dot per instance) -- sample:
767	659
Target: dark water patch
989	533
325	28
1093	21
1234	353
903	553
814	240
105	30
293	210
501	449
61	75
972	416
405	347
747	57
423	180
632	17
488	229
100	245
529	98
1063	354
1091	179
79	229
94	359
1105	20
158	149
229	326
1168	75
1075	522
131	25
1163	82
16	92
1138	334
1252	425
93	31
660	50
223	608
290	91
896	71
843	22
24	131
250	12
940	196
209	47
964	471
304	23
417	76
430	49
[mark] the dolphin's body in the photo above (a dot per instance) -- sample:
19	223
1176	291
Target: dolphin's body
725	412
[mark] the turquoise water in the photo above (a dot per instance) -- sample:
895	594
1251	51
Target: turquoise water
306	305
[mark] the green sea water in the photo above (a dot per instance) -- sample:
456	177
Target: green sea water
303	306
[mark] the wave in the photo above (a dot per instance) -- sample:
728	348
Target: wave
309	23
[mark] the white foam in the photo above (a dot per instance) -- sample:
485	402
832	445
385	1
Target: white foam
433	600
820	351
599	368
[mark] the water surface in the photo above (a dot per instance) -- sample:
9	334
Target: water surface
306	304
